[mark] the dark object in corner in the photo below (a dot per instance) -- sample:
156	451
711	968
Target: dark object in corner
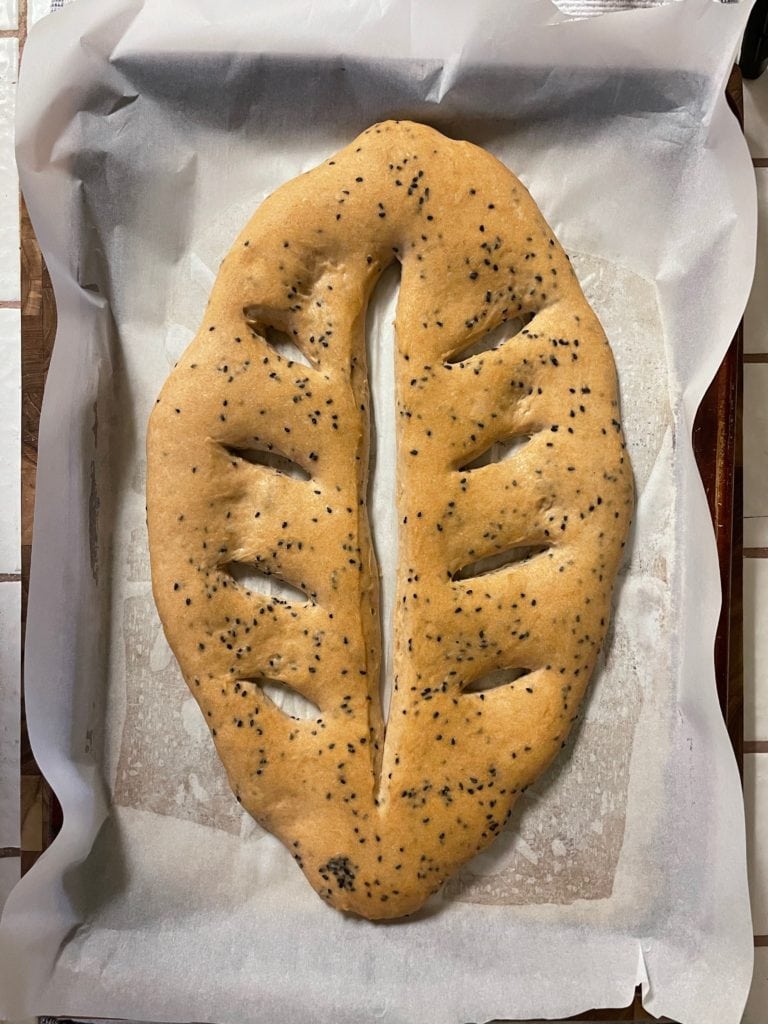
754	49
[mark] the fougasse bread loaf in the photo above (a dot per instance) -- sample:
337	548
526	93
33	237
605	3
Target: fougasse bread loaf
491	654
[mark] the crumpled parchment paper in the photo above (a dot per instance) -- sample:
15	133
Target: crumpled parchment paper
147	133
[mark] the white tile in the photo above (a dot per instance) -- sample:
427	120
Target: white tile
755	439
10	872
756	535
10	712
10	287
756	313
9	13
756	126
756	1011
10	440
755	649
756	803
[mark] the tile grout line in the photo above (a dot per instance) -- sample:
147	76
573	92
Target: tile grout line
10	303
22	25
9	851
756	746
10	577
756	552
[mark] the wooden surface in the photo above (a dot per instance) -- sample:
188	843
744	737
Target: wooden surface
717	443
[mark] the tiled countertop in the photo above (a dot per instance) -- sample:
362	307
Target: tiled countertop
15	17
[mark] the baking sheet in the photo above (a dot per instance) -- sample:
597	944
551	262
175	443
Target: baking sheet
625	864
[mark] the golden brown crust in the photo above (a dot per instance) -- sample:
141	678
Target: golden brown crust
379	821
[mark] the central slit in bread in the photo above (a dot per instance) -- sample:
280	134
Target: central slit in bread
382	464
259	581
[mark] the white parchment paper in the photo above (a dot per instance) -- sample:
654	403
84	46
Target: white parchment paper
147	133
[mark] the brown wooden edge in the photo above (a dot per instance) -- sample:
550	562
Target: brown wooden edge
717	439
718	446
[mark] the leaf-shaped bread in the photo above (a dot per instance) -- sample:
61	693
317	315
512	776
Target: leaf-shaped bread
491	654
